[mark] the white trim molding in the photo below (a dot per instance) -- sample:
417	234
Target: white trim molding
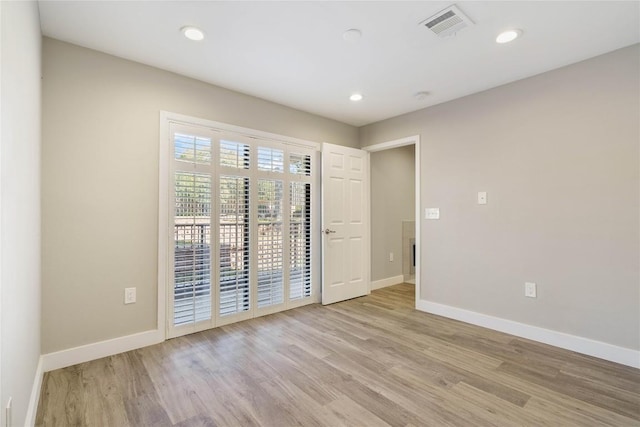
624	356
248	132
163	220
34	399
389	281
409	140
97	350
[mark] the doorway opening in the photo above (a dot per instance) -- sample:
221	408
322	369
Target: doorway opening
395	227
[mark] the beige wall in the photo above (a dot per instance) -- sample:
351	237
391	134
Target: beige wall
100	182
392	201
19	205
558	155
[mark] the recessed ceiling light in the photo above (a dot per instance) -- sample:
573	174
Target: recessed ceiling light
508	36
356	97
421	95
192	33
352	35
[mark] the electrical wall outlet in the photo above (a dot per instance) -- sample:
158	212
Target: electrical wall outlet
482	197
390	256
432	213
530	290
129	295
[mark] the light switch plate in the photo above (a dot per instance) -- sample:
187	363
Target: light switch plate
129	295
432	213
482	197
530	290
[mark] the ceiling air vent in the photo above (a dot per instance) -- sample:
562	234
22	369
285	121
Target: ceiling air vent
447	22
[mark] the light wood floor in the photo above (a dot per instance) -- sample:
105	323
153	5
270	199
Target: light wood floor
371	361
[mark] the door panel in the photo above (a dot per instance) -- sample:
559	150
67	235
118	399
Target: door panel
336	250
335	203
356	200
356	245
345	219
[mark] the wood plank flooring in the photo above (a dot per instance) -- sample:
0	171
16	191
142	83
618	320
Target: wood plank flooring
371	361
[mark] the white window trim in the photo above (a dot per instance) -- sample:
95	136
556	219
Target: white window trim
166	117
164	170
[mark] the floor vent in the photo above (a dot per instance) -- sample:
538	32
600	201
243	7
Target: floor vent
447	22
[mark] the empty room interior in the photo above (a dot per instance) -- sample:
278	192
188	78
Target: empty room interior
325	213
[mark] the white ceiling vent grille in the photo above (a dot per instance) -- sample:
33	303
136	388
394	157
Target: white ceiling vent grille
447	22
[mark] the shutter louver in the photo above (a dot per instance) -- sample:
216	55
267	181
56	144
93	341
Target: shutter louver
234	245
270	244
192	250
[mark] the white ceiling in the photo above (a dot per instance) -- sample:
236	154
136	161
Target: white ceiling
293	53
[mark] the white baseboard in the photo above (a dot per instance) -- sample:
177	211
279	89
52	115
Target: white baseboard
389	281
85	353
624	356
34	399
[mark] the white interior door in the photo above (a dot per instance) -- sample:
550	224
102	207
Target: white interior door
345	223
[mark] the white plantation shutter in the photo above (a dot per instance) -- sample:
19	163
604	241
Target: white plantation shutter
270	243
192	237
242	217
191	229
270	159
192	149
234	155
300	164
234	226
300	196
300	240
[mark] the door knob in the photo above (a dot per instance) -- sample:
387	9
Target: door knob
327	231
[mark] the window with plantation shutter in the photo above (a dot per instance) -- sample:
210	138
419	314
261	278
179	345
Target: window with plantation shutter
242	218
192	229
270	159
234	228
300	226
300	164
192	149
300	240
270	241
234	155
